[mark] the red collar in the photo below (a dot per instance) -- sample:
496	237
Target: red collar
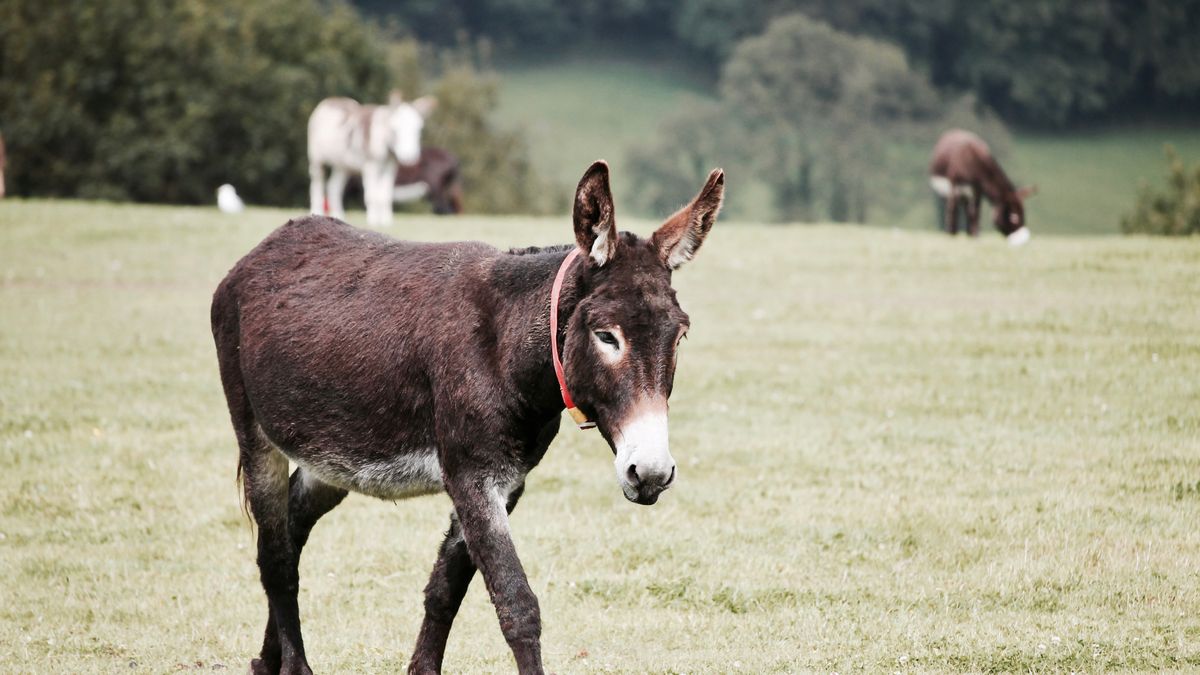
576	414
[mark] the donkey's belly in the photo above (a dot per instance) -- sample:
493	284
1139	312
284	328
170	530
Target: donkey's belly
945	189
409	474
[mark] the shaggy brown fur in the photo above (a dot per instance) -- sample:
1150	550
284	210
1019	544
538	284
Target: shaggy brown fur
397	368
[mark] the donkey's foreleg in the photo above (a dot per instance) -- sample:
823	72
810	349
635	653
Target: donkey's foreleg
448	583
952	214
335	190
481	507
378	181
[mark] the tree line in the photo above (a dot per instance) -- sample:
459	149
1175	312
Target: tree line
164	100
1041	62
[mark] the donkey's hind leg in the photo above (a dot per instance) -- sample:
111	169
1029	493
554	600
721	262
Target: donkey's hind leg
265	470
316	188
308	500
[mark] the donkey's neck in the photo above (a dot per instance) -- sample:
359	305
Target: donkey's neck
994	182
523	279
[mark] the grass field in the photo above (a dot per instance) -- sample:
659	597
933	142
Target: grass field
1088	179
898	452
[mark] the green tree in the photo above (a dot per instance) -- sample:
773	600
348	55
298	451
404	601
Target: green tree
1044	62
812	116
497	174
163	101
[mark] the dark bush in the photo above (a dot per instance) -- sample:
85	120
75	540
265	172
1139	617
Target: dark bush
1173	210
164	100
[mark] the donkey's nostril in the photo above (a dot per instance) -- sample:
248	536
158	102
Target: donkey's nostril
671	479
631	473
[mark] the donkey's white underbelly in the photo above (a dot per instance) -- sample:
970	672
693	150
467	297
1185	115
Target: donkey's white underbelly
411	474
945	189
410	192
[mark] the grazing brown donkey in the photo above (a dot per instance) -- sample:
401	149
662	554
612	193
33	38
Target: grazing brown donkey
962	171
397	369
436	176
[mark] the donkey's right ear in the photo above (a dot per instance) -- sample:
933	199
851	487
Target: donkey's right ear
395	98
595	224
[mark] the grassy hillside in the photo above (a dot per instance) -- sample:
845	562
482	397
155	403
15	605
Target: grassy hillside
576	111
897	452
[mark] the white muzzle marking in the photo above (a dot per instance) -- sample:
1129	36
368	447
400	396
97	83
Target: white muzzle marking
642	444
1019	237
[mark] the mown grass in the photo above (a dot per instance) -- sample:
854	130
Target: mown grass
578	109
898	452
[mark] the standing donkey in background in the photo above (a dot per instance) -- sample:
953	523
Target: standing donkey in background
370	140
397	369
962	171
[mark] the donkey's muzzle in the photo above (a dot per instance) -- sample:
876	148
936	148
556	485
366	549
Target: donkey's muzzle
647	484
643	463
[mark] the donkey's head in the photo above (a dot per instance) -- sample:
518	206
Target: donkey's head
619	353
405	121
1010	215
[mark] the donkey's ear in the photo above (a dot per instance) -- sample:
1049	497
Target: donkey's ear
395	98
595	224
678	239
425	105
1027	192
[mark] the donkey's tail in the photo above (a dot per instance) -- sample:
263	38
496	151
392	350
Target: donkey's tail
227	336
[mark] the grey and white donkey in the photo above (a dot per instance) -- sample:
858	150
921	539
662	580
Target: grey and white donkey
371	140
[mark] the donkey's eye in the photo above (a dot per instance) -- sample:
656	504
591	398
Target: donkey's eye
608	338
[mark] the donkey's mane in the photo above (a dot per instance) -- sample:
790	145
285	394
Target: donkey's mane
530	250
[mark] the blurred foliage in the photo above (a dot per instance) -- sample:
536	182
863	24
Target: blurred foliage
1045	62
163	101
495	168
809	112
497	174
1174	210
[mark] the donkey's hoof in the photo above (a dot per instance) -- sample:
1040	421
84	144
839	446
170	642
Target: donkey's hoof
300	668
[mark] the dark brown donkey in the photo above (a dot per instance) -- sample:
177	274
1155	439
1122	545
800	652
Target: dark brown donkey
436	176
962	171
398	369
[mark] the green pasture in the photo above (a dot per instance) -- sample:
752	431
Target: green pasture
898	452
575	110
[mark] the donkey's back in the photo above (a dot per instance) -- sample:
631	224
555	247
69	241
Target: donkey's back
330	340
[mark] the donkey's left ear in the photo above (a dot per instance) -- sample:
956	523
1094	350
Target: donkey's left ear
425	105
678	239
1027	192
